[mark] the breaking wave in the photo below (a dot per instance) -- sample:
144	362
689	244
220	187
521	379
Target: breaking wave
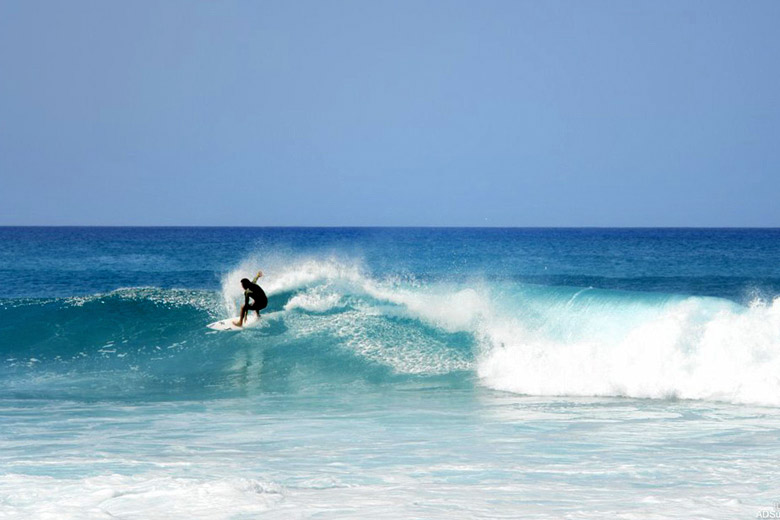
330	322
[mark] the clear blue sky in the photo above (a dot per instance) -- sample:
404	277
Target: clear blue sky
501	113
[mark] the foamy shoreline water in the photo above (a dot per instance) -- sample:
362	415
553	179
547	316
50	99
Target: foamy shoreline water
417	454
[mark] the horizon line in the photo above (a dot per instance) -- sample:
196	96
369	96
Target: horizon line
226	226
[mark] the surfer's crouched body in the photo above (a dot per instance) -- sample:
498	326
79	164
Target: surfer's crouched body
256	293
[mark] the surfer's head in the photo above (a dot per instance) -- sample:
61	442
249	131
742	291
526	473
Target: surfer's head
245	283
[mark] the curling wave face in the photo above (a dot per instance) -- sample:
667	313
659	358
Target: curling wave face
331	323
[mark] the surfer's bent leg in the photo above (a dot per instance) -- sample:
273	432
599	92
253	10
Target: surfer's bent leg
240	322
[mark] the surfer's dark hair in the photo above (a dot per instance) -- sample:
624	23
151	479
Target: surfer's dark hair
245	282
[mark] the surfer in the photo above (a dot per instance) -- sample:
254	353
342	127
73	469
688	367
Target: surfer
259	299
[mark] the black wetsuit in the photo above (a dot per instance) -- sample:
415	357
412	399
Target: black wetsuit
258	295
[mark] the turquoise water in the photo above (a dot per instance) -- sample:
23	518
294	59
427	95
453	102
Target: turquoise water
397	373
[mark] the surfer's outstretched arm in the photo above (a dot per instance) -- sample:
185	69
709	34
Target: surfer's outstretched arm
258	275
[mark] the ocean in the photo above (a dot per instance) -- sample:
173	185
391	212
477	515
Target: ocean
398	373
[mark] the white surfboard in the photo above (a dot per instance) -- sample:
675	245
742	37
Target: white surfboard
251	322
226	324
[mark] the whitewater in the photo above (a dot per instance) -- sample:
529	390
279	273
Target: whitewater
397	373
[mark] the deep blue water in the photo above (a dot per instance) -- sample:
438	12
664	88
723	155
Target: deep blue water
64	261
461	370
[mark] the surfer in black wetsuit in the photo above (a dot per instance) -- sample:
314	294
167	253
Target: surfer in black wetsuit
259	299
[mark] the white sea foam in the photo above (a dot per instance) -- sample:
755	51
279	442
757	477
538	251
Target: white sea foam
140	496
614	344
387	454
698	348
314	300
